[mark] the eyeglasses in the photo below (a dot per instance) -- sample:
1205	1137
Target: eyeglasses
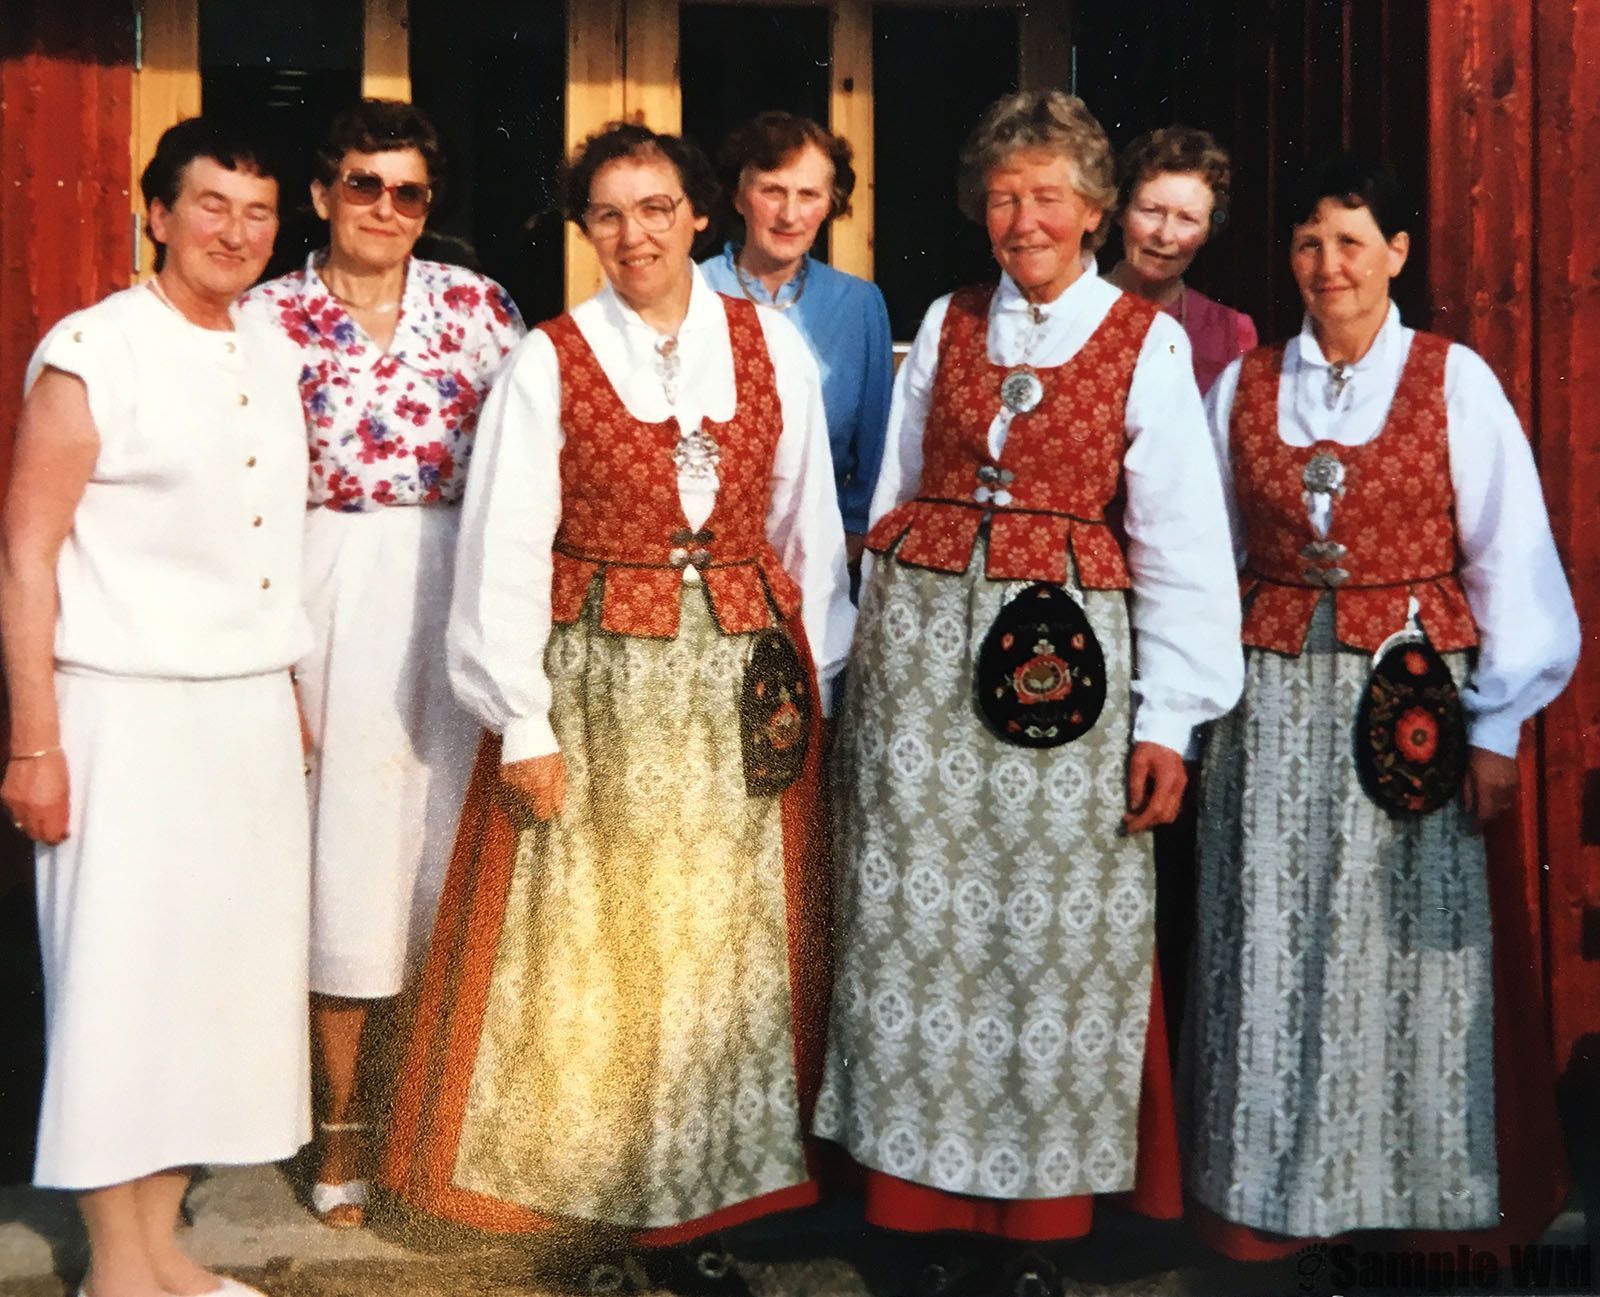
655	215
410	197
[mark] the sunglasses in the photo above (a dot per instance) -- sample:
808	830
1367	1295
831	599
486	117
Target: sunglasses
410	197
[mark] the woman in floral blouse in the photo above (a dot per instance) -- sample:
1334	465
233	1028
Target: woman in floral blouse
398	355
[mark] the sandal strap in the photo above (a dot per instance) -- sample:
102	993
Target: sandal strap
325	1197
343	1127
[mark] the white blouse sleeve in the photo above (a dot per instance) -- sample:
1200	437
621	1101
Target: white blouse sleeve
1219	414
1190	666
500	609
1527	625
803	521
901	471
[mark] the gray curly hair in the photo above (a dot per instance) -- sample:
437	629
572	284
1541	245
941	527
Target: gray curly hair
1040	119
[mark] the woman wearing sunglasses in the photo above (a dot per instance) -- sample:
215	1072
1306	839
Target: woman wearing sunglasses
398	353
620	1015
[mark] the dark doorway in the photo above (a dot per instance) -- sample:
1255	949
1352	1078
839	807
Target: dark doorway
285	69
491	74
735	61
934	73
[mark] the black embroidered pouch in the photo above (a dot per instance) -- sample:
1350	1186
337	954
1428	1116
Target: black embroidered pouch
1041	675
1411	730
775	711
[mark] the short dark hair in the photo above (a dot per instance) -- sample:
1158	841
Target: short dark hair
770	139
227	143
1182	150
618	140
379	126
1355	182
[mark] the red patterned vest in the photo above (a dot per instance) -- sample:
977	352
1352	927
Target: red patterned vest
622	519
1064	459
1393	532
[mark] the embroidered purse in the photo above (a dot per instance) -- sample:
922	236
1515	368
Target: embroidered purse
1040	679
1411	730
775	713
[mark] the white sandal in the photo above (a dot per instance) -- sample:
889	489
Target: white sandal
328	1199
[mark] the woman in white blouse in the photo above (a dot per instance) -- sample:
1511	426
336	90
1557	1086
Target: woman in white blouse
1341	1075
991	1027
398	354
627	948
150	611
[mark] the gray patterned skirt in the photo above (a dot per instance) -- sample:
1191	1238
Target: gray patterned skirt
996	926
1338	1047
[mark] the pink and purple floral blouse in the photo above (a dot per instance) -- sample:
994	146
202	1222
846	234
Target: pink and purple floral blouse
393	427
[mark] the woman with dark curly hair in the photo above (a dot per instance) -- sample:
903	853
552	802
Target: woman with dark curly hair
397	353
786	178
620	1011
1173	189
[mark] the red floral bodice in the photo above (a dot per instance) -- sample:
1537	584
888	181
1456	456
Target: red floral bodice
1393	533
621	516
1060	468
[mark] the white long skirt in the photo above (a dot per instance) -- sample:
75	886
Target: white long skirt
173	923
393	747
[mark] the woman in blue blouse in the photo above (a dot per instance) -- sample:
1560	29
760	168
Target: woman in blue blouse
788	177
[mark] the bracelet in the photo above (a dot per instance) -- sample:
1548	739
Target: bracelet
29	756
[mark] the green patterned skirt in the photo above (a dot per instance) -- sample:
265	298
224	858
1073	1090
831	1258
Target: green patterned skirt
607	1014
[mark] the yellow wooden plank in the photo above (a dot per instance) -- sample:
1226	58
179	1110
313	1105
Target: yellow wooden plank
850	114
386	50
1044	29
166	87
651	93
593	98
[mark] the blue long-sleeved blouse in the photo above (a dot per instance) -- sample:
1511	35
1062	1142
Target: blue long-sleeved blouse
845	322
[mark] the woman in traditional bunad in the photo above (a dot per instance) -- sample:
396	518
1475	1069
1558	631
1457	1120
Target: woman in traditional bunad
1173	192
992	1057
1339	1048
620	1019
397	356
150	611
787	177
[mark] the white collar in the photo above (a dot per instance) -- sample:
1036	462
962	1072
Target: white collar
705	311
1008	299
1311	354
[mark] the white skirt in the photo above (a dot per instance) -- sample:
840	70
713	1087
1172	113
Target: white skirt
393	747
173	924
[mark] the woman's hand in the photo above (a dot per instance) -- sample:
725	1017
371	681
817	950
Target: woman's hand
1490	786
1156	780
35	796
538	784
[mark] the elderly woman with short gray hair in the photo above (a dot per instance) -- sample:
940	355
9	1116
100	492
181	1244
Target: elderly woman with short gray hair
1022	689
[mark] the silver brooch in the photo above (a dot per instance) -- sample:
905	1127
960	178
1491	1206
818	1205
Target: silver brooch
697	454
1338	380
1021	390
1323	474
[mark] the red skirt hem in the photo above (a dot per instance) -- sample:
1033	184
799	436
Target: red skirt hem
893	1203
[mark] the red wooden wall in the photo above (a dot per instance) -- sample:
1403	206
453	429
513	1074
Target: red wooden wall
1515	271
66	230
66	233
